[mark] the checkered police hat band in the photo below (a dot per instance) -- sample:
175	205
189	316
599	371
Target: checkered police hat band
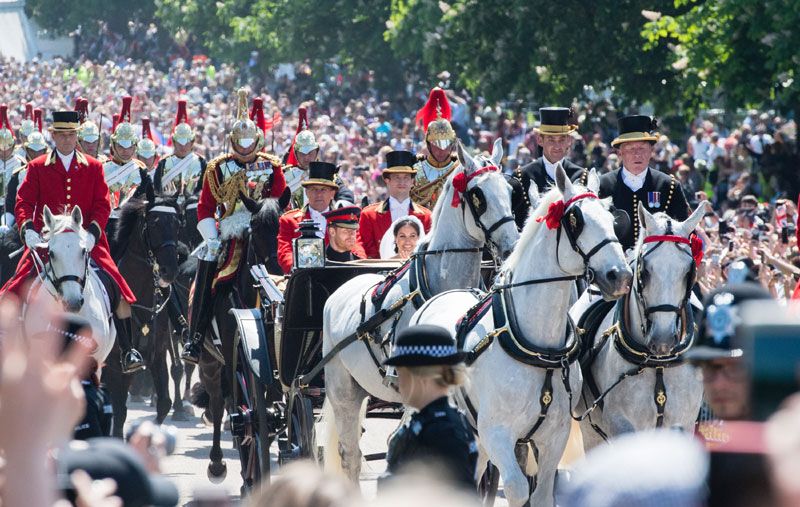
425	350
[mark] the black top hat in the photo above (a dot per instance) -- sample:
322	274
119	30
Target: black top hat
720	320
424	345
65	121
400	162
636	127
321	173
111	458
555	121
346	216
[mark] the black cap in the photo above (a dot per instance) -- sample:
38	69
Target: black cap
346	216
721	317
321	173
556	121
636	127
424	345
400	162
111	458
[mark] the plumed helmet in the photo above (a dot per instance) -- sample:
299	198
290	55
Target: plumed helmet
35	141
6	132
89	132
182	132
146	148
244	132
27	126
305	142
434	117
124	133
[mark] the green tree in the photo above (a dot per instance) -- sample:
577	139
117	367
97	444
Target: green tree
61	17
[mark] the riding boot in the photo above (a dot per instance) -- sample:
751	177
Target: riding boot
130	358
175	312
200	312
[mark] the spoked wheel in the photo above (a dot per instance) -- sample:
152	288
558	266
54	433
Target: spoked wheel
487	486
250	428
301	439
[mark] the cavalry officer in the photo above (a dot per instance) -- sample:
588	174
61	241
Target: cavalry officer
89	134
635	182
433	169
244	170
123	172
181	172
146	150
26	128
554	135
428	365
320	190
303	151
342	229
10	165
377	218
61	180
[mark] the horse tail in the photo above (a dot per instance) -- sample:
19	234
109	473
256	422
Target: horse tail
199	396
330	451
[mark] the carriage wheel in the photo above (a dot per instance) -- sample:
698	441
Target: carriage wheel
300	432
250	428
487	486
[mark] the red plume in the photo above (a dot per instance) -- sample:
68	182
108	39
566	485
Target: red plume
182	116
302	123
4	123
116	118
257	114
28	111
82	108
146	129
37	118
437	106
125	113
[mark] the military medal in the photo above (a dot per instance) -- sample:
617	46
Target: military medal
654	199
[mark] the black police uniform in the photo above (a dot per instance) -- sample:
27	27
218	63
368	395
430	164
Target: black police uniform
660	193
535	172
439	435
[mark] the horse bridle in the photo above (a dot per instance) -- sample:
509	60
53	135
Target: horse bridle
639	284
152	253
57	281
572	223
477	204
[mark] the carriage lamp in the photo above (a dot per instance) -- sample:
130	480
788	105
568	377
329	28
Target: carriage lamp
309	249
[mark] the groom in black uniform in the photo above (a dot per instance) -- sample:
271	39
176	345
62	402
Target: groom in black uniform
636	182
554	135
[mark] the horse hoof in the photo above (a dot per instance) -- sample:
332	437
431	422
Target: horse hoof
180	415
217	472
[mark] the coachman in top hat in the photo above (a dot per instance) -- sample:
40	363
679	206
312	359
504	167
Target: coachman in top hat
636	182
63	179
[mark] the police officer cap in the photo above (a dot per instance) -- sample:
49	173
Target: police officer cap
424	345
721	317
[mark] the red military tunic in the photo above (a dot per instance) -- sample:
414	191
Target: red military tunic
47	183
375	221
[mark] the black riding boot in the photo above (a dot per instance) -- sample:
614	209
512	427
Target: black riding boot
130	358
200	312
175	312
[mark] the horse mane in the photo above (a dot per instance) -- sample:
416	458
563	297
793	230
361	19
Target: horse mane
267	217
129	215
531	228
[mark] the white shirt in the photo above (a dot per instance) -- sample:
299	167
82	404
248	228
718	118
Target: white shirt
634	181
399	209
550	167
66	160
320	220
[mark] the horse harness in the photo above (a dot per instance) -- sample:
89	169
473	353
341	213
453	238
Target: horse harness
507	328
475	200
630	350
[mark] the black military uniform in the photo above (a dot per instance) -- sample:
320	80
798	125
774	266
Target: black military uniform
555	121
345	217
438	434
660	192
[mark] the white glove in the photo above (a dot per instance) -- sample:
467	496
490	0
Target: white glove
32	239
90	241
213	246
4	228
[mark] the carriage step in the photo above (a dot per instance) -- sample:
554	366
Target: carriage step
377	456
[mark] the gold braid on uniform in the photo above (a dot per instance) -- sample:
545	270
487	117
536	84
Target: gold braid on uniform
518	176
228	191
672	181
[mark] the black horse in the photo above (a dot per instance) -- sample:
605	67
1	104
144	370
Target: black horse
9	243
260	245
144	246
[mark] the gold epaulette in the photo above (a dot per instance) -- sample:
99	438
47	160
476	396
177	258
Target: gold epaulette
275	161
211	175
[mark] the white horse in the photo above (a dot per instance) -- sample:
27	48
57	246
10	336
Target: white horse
449	259
516	365
68	279
643	338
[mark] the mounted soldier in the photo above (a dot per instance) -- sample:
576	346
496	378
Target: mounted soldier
11	165
123	172
61	180
554	135
303	151
146	150
635	182
26	128
377	218
89	134
243	171
433	169
181	173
